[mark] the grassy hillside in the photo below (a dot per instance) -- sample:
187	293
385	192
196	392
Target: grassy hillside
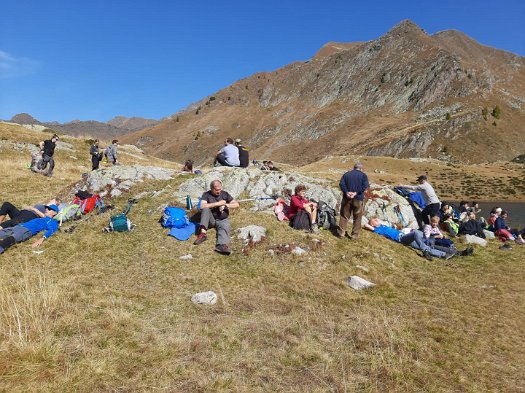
112	312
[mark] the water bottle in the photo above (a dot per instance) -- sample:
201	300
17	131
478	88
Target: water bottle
189	205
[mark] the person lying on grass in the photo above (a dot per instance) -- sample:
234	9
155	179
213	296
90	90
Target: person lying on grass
414	239
23	215
22	232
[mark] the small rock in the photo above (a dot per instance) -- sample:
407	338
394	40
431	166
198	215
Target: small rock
488	286
115	193
185	257
358	283
271	253
298	251
253	233
208	297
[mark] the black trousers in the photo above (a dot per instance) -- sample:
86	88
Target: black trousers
17	216
430	211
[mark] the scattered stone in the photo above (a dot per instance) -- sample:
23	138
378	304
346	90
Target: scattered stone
298	251
208	297
271	253
115	193
186	257
363	268
251	234
358	283
488	286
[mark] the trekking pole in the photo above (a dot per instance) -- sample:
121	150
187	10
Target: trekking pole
259	199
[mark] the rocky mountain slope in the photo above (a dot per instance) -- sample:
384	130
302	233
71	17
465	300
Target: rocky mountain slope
406	94
115	127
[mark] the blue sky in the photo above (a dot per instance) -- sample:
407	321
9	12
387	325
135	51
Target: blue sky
93	60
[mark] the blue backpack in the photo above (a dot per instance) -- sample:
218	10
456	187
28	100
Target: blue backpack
174	217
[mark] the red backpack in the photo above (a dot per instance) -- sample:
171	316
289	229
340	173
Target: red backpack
89	204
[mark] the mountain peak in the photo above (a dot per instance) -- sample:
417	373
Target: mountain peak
406	27
24	118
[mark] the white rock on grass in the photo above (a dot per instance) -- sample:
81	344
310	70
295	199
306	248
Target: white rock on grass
208	297
186	257
298	251
254	233
358	283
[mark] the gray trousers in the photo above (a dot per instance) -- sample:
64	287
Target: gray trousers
415	240
10	236
223	226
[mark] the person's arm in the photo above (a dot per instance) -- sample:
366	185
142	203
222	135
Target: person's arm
41	145
35	210
426	231
52	227
369	227
211	205
296	202
233	204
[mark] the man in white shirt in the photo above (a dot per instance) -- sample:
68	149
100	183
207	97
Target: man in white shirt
432	201
228	155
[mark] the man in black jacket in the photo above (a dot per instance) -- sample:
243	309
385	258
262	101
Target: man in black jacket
48	148
96	155
244	154
472	227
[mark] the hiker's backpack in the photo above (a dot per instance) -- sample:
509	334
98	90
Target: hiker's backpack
68	212
88	204
325	216
120	222
174	217
301	221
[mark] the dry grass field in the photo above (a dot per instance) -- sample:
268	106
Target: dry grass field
98	312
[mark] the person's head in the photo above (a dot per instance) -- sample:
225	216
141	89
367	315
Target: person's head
188	165
358	166
421	179
504	214
216	187
228	141
475	205
237	142
114	141
374	222
471	215
300	189
434	221
96	142
51	210
55	138
463	204
269	164
496	211
445	206
447	217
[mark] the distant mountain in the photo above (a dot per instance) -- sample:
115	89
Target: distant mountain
405	94
116	127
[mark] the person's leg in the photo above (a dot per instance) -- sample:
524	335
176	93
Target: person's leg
24	216
51	166
425	214
94	163
357	213
207	220
344	216
10	236
223	231
313	215
8	209
6	242
221	160
43	163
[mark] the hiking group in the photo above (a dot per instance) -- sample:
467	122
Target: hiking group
303	214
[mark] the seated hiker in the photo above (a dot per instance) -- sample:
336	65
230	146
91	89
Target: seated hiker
26	230
474	206
413	239
228	155
244	154
471	227
491	220
447	208
302	213
433	235
501	229
188	166
268	166
215	208
450	226
20	216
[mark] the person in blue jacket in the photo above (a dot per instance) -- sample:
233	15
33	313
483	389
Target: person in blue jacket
26	230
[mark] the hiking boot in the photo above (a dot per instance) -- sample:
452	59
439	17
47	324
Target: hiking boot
202	237
315	229
520	241
467	251
505	246
449	256
427	255
223	249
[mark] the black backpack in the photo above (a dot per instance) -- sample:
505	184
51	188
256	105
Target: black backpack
325	216
301	221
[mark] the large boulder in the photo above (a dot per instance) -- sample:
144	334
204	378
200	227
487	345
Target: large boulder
389	207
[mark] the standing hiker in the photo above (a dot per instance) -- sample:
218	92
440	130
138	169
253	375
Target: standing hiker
111	152
48	149
96	155
353	184
429	195
215	208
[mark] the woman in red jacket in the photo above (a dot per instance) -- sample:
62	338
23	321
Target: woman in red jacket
299	207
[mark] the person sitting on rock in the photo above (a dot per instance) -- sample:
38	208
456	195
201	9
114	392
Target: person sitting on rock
471	227
268	166
188	166
244	154
491	219
23	215
215	208
26	230
450	226
228	155
302	213
413	239
501	229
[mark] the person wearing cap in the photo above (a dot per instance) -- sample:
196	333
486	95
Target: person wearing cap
432	201
244	154
19	216
353	184
228	155
25	231
48	149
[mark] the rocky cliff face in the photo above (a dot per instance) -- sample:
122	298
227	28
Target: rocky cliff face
405	94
